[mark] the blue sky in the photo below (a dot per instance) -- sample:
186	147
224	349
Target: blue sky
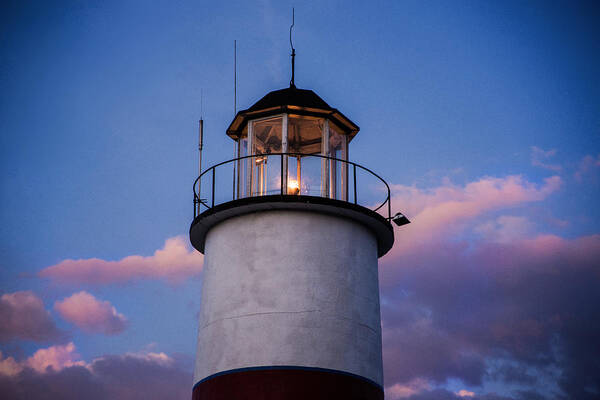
98	147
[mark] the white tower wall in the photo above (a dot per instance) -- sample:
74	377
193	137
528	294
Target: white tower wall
290	288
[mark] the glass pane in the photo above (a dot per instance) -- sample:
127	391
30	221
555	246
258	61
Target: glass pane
242	165
266	170
337	170
304	135
267	136
310	175
266	175
294	181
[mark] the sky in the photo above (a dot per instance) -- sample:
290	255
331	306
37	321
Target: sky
482	116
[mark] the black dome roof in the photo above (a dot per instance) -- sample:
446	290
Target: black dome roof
291	96
292	101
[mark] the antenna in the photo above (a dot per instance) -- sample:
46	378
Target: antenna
234	77
200	145
200	135
235	145
293	50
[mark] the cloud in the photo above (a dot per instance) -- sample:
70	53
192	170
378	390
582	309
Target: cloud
506	228
434	394
8	366
587	166
402	391
465	393
23	316
90	314
153	376
443	394
452	311
440	211
175	262
510	305
53	358
540	158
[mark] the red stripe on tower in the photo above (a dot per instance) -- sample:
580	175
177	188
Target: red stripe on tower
288	384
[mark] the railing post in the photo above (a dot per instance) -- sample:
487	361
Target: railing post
354	165
344	176
281	181
234	174
199	180
213	186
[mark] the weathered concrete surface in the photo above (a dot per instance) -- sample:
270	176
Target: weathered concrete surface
291	288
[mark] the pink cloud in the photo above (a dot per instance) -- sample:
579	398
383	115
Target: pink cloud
23	316
540	158
58	372
402	391
440	211
90	314
54	357
8	366
587	166
160	359
57	358
448	309
506	228
505	306
175	262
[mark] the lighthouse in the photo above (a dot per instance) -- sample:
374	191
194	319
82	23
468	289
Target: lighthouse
291	231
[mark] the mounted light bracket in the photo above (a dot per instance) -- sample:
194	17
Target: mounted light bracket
400	219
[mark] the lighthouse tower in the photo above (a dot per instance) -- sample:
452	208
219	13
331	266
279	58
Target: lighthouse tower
291	232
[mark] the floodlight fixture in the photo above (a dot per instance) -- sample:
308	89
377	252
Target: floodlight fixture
400	219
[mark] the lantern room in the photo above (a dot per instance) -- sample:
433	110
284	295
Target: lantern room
292	142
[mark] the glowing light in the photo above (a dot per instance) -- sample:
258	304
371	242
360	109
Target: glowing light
293	187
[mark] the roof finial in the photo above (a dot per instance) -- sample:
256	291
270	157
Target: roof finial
292	85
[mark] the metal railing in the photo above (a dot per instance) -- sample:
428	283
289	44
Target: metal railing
250	179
